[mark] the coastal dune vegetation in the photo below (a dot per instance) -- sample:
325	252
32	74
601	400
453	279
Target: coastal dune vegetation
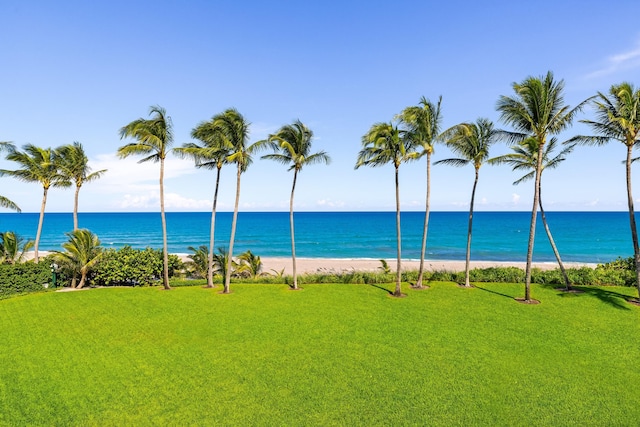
535	114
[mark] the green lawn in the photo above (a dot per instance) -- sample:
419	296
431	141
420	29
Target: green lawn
326	355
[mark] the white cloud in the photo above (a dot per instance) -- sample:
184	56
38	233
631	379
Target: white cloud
328	203
151	200
515	198
484	201
128	174
622	61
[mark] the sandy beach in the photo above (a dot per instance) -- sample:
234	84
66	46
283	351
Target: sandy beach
337	265
312	265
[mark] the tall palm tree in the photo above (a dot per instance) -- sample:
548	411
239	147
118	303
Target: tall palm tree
292	146
384	143
423	126
74	164
4	201
234	129
537	110
211	154
153	140
82	253
471	142
13	247
37	165
525	157
618	118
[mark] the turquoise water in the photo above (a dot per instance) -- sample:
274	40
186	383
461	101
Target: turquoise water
580	236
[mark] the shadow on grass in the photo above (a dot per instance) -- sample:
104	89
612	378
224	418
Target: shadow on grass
614	299
477	286
375	285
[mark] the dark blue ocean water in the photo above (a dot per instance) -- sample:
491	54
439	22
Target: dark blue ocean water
580	236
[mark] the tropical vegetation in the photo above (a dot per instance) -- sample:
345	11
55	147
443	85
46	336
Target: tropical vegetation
385	143
471	142
536	110
618	118
292	147
422	124
153	140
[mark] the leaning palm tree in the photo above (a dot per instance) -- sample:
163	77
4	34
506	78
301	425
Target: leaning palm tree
211	154
82	253
423	128
74	164
537	110
153	140
471	142
234	131
292	146
618	118
36	165
384	143
13	247
4	201
525	157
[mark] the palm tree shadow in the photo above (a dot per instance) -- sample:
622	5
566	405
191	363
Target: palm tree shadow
614	299
375	285
475	285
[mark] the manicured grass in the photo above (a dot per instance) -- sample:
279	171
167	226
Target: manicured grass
326	355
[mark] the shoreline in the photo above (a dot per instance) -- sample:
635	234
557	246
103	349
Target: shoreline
340	265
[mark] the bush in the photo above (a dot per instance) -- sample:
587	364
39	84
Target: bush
132	267
16	279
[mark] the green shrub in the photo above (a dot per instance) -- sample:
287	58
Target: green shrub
16	279
132	267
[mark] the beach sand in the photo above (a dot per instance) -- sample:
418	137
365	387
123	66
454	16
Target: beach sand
312	265
337	265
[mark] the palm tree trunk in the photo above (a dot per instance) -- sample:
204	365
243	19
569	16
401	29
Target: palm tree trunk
83	278
425	228
553	244
293	239
213	228
75	208
398	291
227	278
165	253
632	218
40	221
532	228
468	259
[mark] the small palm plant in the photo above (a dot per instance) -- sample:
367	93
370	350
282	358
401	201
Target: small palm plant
249	265
198	261
13	247
82	253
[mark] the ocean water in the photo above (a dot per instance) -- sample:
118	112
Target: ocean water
497	236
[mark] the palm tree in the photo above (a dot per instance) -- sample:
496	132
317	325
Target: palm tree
198	260
249	264
4	201
211	154
525	157
537	110
471	142
234	131
82	253
384	143
74	165
618	118
13	247
153	140
423	123
292	146
36	165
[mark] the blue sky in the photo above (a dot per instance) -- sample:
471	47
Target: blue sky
79	71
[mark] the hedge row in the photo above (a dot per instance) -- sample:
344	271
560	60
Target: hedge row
16	279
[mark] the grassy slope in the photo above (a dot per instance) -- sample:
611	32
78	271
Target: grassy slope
327	355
